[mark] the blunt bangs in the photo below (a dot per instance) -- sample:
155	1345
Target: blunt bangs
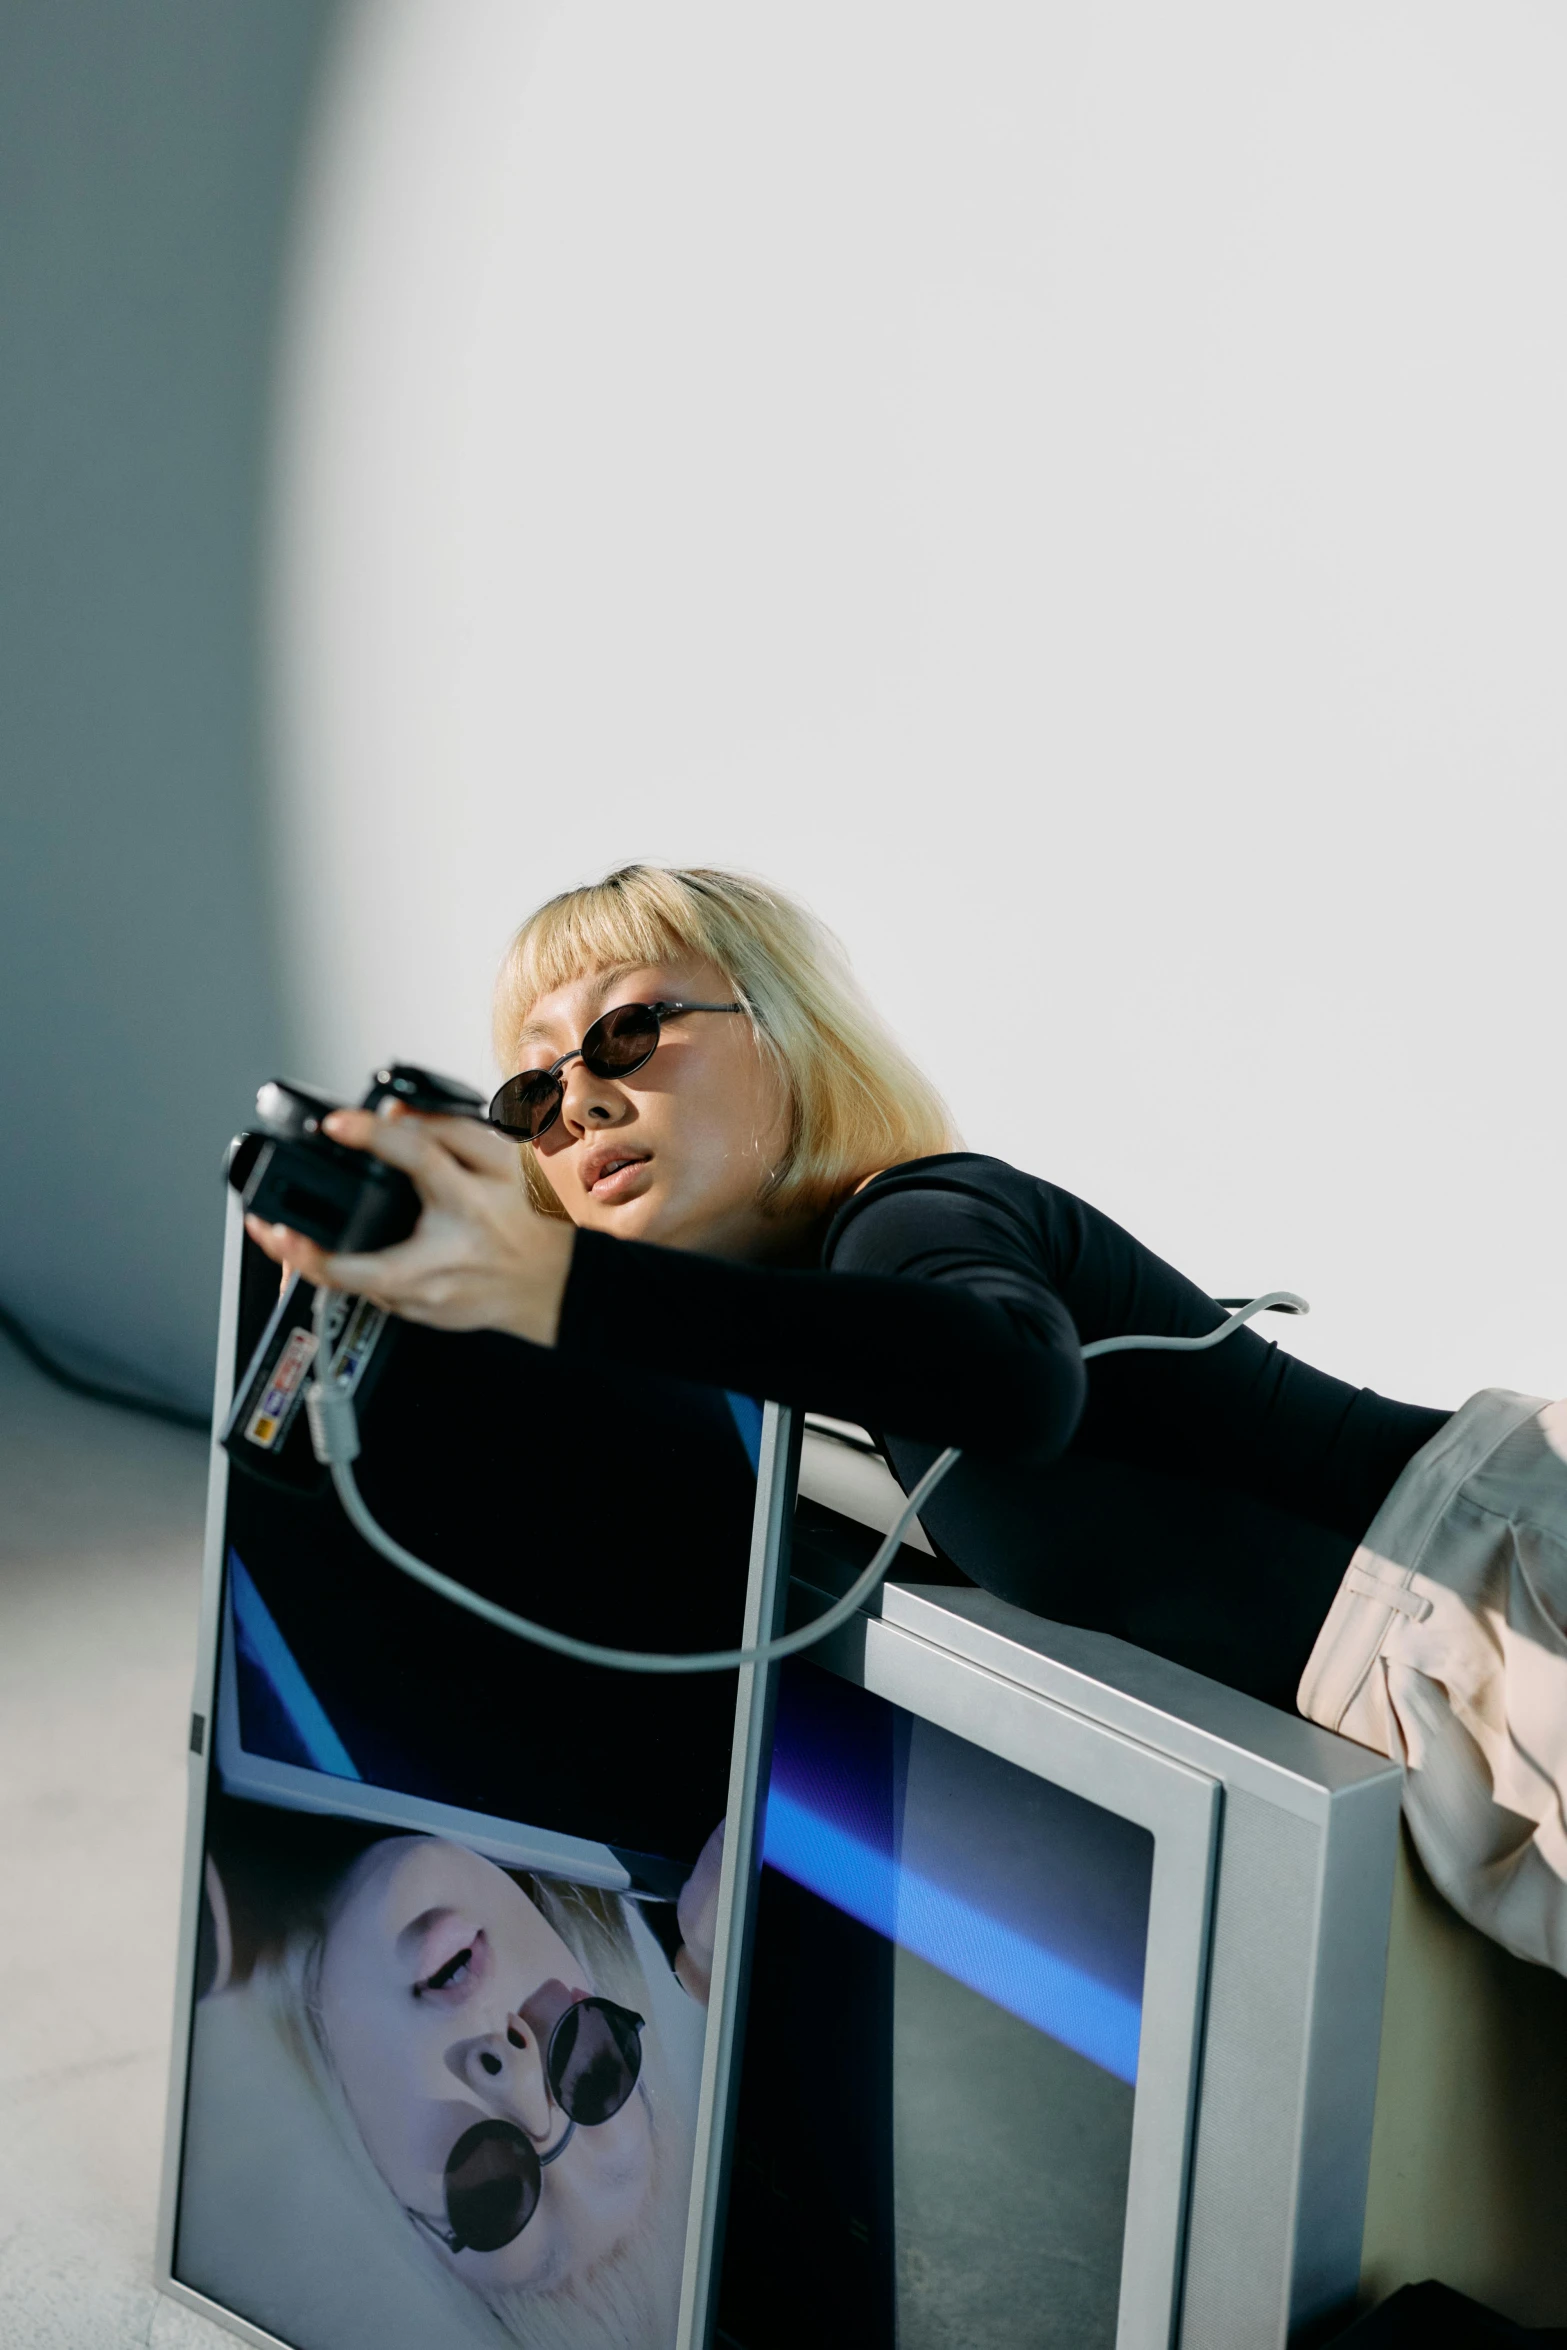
587	930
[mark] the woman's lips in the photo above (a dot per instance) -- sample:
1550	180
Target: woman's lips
619	1179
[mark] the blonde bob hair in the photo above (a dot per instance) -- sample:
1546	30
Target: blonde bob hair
857	1102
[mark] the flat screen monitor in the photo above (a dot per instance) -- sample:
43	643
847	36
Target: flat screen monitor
463	1927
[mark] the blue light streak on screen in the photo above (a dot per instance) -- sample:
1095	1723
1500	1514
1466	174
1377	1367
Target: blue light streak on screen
1033	1896
746	1413
265	1657
938	1925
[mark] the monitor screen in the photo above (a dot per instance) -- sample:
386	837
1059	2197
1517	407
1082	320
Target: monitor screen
459	1896
941	2051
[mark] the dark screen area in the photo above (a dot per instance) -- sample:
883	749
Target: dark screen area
618	1513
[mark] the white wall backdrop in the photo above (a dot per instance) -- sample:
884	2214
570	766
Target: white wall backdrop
1077	491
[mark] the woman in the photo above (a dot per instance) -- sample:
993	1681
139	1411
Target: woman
701	1084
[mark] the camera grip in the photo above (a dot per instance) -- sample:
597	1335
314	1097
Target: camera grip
340	1198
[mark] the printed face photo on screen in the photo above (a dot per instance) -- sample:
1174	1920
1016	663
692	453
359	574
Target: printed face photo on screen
440	1983
375	2004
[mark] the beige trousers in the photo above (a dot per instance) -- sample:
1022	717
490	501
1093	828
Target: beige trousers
1446	1649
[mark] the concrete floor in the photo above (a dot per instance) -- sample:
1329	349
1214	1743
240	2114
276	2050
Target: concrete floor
100	1535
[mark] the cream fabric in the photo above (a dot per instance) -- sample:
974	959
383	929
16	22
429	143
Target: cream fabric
1446	1649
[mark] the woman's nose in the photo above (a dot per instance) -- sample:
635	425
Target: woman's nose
506	2068
589	1102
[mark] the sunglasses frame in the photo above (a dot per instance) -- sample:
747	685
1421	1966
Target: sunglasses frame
584	1052
493	2126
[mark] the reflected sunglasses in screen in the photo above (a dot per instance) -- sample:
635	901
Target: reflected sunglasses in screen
617	1044
494	2173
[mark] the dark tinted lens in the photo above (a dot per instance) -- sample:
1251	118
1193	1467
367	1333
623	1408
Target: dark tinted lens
621	1041
526	1106
492	2185
595	2057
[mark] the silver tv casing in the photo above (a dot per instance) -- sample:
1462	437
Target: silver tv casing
1275	1846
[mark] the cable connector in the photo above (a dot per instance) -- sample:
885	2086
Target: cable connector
334	1424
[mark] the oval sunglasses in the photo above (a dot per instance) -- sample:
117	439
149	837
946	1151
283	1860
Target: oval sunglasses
618	1044
494	2173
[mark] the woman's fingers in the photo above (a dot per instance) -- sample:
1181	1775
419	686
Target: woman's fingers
292	1251
425	1149
388	1276
401	1142
392	1277
475	1145
385	1274
480	1257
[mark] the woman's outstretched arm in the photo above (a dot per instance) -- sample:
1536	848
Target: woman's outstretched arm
954	1337
972	1352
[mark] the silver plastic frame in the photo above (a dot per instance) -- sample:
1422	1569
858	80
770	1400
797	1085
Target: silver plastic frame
1267	1944
737	1883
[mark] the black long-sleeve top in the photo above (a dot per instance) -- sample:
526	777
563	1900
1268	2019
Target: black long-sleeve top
1203	1506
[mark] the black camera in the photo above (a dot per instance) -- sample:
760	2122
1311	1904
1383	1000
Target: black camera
288	1172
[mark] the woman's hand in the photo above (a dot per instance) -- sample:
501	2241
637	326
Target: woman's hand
480	1257
697	1912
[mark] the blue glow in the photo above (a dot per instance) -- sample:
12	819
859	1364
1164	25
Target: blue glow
993	1959
265	1650
746	1413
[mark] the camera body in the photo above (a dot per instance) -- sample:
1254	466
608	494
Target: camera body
288	1172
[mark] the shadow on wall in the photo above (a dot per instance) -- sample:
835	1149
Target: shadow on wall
147	158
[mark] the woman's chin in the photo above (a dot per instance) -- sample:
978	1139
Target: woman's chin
637	1218
652	1213
712	1228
